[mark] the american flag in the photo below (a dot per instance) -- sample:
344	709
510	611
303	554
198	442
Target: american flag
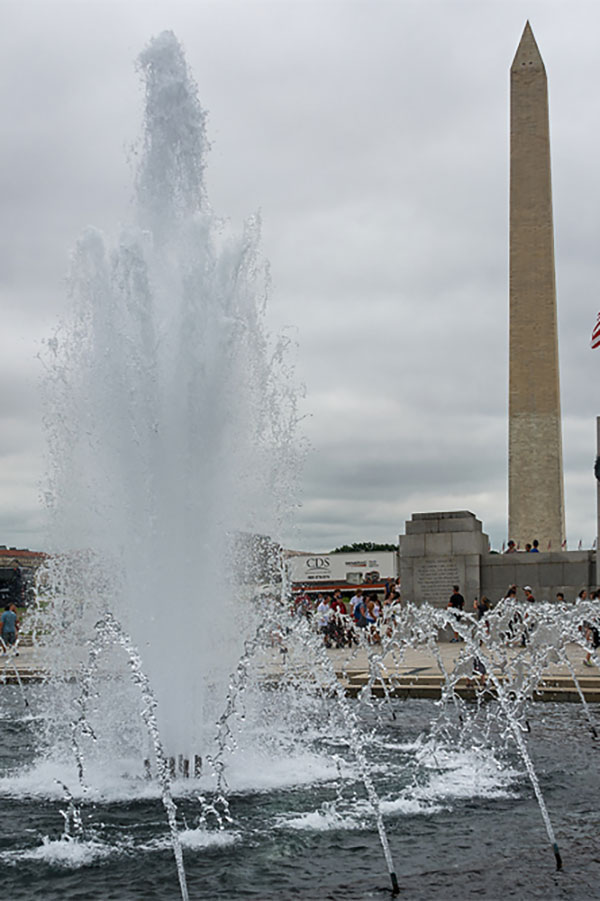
595	341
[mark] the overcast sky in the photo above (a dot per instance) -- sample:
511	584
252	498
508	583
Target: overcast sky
373	136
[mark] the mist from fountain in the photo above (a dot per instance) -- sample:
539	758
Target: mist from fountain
171	422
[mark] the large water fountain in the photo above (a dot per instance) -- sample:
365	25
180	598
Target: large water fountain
177	671
171	422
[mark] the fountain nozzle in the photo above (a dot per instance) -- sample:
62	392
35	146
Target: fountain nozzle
558	857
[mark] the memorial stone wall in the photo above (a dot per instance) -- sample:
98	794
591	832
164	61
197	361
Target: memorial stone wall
440	550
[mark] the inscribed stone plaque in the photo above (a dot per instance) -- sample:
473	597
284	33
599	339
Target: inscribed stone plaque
433	580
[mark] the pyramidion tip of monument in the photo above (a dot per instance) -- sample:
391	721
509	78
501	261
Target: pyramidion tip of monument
528	57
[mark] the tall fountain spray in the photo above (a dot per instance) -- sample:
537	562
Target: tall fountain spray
171	425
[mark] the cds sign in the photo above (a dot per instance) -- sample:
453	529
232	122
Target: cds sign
340	567
317	568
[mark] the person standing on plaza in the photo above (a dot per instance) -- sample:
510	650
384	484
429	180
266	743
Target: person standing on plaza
356	602
456	604
337	603
324	620
338	617
481	606
10	625
302	605
509	599
592	637
527	629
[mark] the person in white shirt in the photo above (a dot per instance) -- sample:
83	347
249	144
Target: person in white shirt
324	620
356	601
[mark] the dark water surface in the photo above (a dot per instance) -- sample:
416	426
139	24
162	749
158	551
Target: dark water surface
461	824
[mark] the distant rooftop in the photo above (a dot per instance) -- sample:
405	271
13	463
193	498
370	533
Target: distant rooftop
20	552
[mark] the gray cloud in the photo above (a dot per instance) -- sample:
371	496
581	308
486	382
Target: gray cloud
373	137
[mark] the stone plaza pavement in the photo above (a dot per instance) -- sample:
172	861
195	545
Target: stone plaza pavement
416	675
27	662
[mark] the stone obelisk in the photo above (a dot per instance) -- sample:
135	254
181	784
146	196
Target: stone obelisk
535	470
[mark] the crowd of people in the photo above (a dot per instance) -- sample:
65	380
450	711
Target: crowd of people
532	547
521	624
339	618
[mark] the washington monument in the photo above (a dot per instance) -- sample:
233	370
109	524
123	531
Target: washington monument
535	471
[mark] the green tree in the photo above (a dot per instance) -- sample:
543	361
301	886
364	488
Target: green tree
364	547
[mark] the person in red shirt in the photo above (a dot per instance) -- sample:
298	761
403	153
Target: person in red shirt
338	617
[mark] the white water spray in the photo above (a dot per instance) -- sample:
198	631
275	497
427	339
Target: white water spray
171	421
